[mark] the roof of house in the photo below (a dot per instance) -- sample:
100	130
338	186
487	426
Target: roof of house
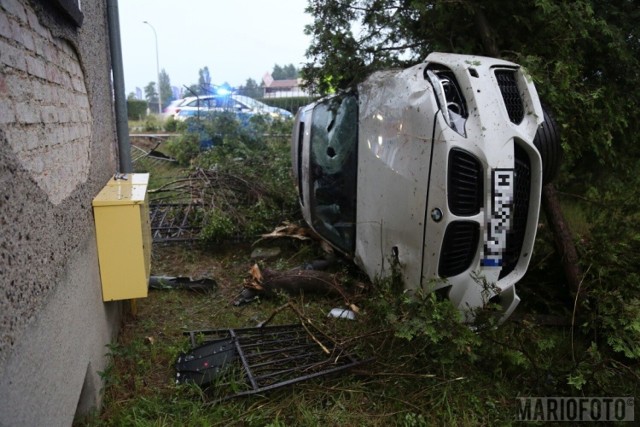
284	83
270	83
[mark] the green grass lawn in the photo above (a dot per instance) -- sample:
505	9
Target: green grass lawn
411	382
428	368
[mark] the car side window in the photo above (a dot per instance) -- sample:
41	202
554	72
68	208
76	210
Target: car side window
223	102
333	169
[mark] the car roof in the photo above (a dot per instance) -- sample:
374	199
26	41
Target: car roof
176	102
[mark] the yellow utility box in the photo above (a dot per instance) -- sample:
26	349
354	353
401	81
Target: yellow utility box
123	233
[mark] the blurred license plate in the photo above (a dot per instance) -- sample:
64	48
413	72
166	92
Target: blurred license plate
499	222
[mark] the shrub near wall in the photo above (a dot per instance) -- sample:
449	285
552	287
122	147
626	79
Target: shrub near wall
136	109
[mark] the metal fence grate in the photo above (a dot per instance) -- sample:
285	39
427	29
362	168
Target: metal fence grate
255	360
174	222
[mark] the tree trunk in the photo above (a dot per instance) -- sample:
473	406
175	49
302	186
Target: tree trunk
296	281
488	41
562	236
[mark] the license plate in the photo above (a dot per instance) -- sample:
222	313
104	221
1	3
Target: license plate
500	219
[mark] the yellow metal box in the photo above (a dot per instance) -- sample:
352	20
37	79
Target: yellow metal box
123	233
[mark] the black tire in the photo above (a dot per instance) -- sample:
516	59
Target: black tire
547	141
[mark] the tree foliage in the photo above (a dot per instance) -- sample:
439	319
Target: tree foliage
251	89
247	194
150	93
136	108
204	81
165	88
287	72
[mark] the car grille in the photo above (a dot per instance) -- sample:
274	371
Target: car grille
459	247
521	191
510	95
464	185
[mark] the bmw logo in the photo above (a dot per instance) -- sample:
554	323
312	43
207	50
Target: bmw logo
436	215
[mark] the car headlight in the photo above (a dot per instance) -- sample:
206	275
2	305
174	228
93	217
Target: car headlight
449	98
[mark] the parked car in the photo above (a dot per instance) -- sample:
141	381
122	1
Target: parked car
431	170
173	107
245	105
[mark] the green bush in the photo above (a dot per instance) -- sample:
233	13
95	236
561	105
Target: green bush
136	109
171	124
184	148
252	181
217	226
248	172
151	123
431	324
611	256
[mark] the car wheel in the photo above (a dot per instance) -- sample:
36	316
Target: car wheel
547	141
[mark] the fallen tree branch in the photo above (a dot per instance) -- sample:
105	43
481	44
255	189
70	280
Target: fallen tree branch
298	281
303	321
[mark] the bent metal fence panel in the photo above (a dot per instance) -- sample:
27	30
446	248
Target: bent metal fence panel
239	362
175	212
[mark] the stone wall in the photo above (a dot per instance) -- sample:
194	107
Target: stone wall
57	150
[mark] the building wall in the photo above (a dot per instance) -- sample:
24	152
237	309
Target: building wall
57	150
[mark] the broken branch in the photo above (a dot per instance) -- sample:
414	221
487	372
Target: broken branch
303	321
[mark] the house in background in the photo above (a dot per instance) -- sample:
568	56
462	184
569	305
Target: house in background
282	88
57	151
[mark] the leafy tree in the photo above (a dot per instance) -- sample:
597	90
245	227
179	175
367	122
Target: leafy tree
251	89
204	81
165	88
284	73
132	95
192	90
150	94
290	71
277	73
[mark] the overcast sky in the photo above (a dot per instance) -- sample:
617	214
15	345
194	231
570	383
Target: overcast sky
236	39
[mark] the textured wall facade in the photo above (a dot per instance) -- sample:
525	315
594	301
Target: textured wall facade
57	150
47	118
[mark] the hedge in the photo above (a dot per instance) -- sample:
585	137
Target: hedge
136	109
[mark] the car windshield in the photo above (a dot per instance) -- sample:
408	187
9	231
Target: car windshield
333	166
250	102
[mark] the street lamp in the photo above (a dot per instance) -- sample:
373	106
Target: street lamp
157	66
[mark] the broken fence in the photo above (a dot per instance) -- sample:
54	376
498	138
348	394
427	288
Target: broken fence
241	362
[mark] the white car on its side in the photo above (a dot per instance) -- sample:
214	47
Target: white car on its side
432	169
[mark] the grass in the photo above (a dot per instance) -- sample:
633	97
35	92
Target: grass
140	388
428	369
406	385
